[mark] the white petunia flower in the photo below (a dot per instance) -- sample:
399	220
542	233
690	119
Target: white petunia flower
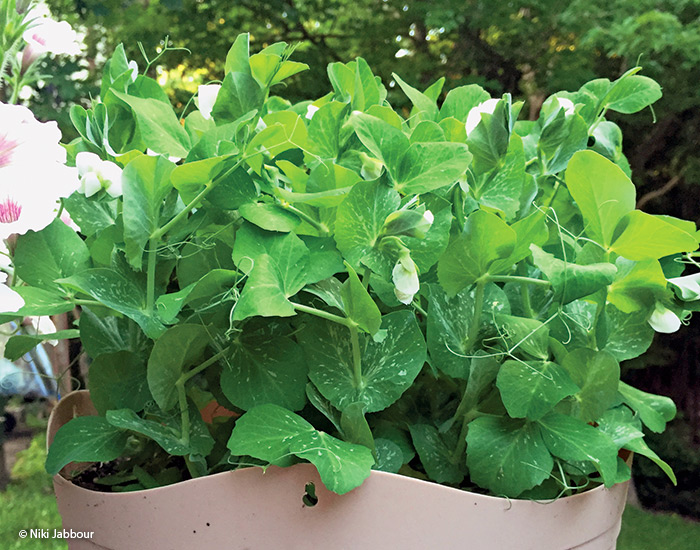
33	174
664	320
48	36
474	116
96	174
405	277
10	301
206	98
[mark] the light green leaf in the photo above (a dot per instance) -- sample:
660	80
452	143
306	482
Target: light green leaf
421	102
324	129
146	182
572	439
237	56
488	142
55	252
571	281
159	127
179	347
269	216
486	238
359	305
428	166
603	192
628	334
531	389
502	188
239	94
265	370
632	93
525	335
597	373
640	447
388	367
560	139
389	456
385	142
506	456
647	237
360	219
20	344
637	285
461	100
85	439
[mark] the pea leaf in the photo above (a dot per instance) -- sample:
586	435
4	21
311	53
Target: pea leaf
359	305
486	238
531	389
388	367
597	374
55	252
179	347
569	280
507	456
428	166
502	188
239	94
269	216
628	334
435	455
324	129
603	192
654	410
647	237
385	142
20	344
118	381
525	335
159	127
265	370
110	334
572	439
640	447
461	100
85	439
360	219
355	428
632	93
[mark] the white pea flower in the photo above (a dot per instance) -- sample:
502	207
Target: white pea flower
405	277
96	174
10	301
426	223
206	98
311	111
664	320
152	153
687	288
474	116
33	174
43	325
134	70
567	105
48	36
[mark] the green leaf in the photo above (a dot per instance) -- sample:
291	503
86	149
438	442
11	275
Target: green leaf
113	289
428	166
85	439
324	129
506	456
359	305
266	433
421	103
632	93
488	142
91	215
560	139
179	347
118	381
38	301
360	219
531	389
628	334
525	335
647	237
274	279
571	281
265	370
269	216
597	374
640	447
385	142
238	54
146	182
355	428
572	439
20	344
110	334
654	410
341	466
159	126
389	456
55	252
389	367
167	437
461	100
637	285
486	238
239	94
435	455
502	188
603	192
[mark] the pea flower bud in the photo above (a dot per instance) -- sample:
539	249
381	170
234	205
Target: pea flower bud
664	320
96	174
405	277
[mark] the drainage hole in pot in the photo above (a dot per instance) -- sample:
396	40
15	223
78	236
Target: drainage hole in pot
310	499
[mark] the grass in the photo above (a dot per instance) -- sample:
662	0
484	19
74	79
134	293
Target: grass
29	503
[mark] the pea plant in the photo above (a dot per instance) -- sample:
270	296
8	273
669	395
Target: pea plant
444	292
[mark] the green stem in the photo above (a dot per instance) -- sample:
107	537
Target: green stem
158	234
184	412
476	319
517	279
323	314
151	274
79	302
322	228
462	441
525	295
356	356
557	185
208	363
458	200
365	277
